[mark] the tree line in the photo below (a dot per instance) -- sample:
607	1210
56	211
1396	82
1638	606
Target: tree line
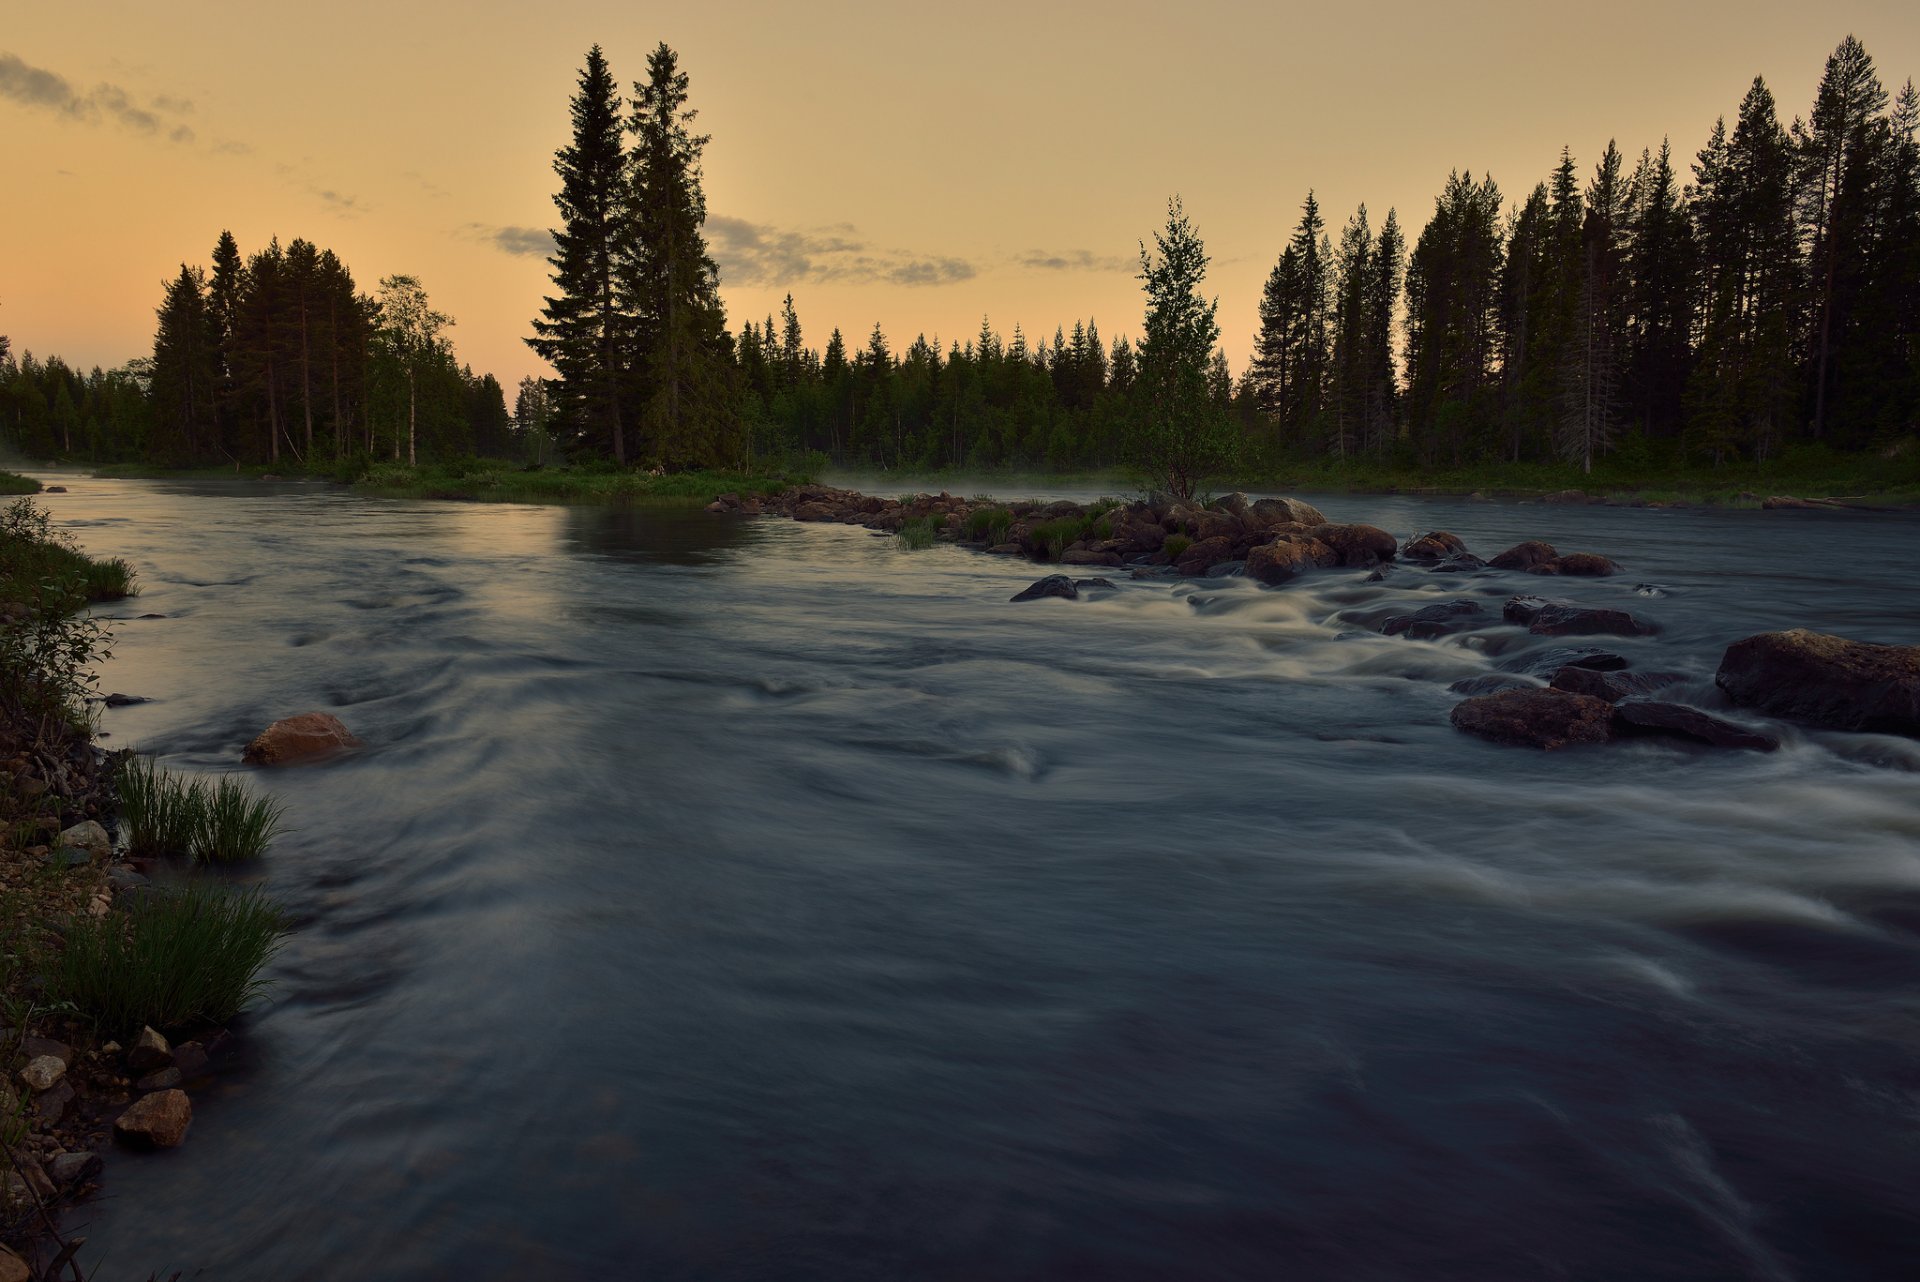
1763	295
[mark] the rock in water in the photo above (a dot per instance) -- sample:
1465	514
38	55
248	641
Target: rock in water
1546	618
1356	545
1053	585
301	738
159	1120
71	1168
1828	680
1544	663
1612	686
1288	557
1433	621
1647	716
1545	719
1524	556
1437	546
1285	512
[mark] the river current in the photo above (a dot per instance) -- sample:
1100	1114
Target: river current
745	899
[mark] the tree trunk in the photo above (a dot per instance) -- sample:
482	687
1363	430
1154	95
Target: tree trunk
411	460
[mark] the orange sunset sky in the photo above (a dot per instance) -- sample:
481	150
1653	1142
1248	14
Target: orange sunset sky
919	166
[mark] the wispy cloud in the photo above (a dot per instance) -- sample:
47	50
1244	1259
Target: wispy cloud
752	253
522	242
339	201
31	86
1076	260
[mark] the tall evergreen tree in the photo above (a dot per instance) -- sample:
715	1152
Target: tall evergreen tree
184	371
586	331
671	284
1181	434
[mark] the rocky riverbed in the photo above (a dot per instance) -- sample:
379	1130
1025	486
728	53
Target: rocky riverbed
1799	675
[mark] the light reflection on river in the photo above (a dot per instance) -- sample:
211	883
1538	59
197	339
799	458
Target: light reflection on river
724	899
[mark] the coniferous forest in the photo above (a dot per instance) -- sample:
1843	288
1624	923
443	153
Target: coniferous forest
1758	296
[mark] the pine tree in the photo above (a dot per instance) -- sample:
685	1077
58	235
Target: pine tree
1660	294
224	293
671	284
1181	434
1453	310
586	331
1383	302
1837	146
1352	335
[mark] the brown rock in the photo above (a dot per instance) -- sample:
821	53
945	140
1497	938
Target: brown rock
12	1267
1288	557
301	738
815	511
34	1047
42	1072
1207	552
159	1080
159	1120
150	1051
1437	546
1545	719
1612	686
1074	556
1647	716
1586	564
1285	512
1357	545
50	1106
1828	680
1524	556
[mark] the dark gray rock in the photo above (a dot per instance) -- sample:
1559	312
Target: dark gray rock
1613	686
1491	683
1647	716
73	1168
1548	618
1544	663
1432	621
1053	585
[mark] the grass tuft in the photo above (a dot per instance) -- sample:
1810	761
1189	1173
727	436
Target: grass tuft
989	523
918	534
209	821
1175	545
172	959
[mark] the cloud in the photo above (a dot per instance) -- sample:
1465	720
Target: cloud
172	105
33	86
755	254
1077	260
522	242
343	203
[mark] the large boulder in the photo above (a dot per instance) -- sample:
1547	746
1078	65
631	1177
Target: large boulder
1524	556
301	738
1545	618
1285	512
1433	621
1288	557
1204	553
1085	556
1828	680
159	1120
1357	545
1648	716
1541	718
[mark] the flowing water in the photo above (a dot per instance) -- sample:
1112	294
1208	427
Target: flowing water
723	899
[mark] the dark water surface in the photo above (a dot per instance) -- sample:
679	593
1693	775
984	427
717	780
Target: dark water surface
729	899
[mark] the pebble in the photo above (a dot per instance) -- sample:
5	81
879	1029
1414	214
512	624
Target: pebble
43	1072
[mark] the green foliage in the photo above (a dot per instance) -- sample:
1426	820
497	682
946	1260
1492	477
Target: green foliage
47	646
989	523
493	480
173	958
216	821
918	534
12	483
1176	545
1181	435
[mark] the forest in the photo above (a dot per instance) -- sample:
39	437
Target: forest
1762	297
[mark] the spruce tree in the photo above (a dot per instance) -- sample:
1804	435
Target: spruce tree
1180	435
670	284
184	370
586	331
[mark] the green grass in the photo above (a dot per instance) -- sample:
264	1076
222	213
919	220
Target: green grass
989	523
211	821
1056	536
1175	545
918	534
12	483
174	958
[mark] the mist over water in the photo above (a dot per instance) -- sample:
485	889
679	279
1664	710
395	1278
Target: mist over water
753	899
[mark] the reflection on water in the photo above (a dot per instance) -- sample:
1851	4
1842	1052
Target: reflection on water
735	899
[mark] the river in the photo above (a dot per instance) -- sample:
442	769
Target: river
745	899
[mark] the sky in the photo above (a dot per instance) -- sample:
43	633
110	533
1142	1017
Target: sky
916	166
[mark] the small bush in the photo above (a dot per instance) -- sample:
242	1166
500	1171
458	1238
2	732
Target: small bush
47	645
13	483
918	534
209	821
174	958
1175	545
